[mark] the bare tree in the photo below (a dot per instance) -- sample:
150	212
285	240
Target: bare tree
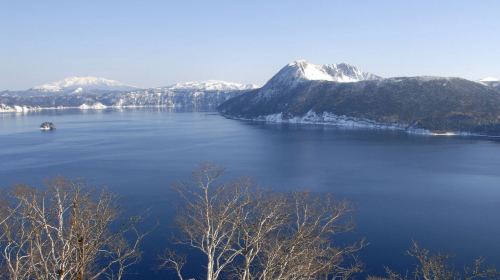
437	267
64	232
304	248
172	261
210	218
263	217
246	233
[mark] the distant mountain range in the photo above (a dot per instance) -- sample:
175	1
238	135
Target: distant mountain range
211	85
101	93
301	92
80	84
341	94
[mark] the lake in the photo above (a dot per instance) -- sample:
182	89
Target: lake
441	191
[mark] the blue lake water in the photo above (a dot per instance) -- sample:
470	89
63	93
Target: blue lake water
441	191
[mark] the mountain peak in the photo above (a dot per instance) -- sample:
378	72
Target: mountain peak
298	62
80	84
302	70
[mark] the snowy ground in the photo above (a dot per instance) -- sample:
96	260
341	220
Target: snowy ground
328	118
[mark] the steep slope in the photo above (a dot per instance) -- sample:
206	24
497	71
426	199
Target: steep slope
303	70
300	71
413	103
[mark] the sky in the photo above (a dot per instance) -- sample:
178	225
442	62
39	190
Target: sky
157	43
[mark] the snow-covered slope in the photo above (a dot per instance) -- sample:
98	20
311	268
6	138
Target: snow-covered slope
300	71
80	84
210	85
303	70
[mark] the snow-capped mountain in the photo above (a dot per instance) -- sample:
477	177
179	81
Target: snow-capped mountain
302	70
81	84
211	85
97	93
341	94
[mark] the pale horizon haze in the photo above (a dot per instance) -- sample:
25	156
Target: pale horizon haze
157	43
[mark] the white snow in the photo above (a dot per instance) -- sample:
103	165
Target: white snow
489	79
78	90
332	119
95	106
214	85
45	128
80	83
299	71
422	78
312	71
5	108
329	118
17	109
340	72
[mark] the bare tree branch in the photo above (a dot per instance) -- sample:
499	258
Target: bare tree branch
64	232
246	233
436	266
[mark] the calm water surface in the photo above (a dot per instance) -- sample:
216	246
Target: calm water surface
443	192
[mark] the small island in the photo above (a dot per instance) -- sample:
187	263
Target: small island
47	126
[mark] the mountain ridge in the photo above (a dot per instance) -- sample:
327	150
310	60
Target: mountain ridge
69	93
83	83
210	85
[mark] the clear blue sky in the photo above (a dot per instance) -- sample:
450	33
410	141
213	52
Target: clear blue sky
155	43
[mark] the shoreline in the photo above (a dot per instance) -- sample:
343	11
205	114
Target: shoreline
330	119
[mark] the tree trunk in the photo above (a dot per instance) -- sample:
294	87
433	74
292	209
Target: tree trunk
210	268
246	271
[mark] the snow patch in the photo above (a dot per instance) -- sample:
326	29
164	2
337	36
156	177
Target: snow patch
339	72
299	71
95	106
6	109
332	119
17	109
78	90
328	118
489	79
